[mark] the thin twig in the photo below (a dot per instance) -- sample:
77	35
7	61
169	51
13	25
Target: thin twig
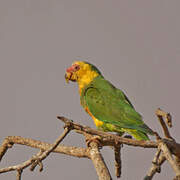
35	160
166	116
170	158
118	163
18	167
158	160
39	159
68	150
160	114
4	147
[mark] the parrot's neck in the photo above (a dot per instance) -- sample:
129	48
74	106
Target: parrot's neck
85	79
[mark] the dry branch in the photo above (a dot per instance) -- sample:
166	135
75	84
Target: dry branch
68	150
156	166
166	149
38	159
18	167
35	160
160	114
118	163
108	139
169	157
98	161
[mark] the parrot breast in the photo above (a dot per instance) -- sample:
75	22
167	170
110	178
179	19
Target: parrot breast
97	122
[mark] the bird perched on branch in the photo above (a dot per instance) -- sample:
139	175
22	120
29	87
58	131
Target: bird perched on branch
108	106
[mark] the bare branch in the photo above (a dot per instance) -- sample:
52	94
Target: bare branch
108	138
18	167
38	159
160	114
95	140
98	161
158	160
35	160
167	116
18	175
69	150
169	157
118	163
4	147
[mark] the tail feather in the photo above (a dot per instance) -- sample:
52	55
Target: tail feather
146	129
139	135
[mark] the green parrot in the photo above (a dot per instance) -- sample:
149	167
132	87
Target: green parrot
108	106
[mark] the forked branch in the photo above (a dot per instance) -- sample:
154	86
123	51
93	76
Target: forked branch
167	148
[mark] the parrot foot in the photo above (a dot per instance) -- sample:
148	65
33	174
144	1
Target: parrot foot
95	139
128	136
125	136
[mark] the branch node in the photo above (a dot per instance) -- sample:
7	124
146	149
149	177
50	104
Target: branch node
95	140
167	153
90	139
69	125
36	161
157	136
33	165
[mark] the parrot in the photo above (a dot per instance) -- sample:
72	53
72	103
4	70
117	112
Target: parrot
107	105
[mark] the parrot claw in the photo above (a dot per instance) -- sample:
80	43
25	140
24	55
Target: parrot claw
128	136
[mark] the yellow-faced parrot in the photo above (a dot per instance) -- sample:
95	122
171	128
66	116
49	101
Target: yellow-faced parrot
108	106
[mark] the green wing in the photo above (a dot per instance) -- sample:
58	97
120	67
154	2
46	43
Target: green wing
122	96
110	105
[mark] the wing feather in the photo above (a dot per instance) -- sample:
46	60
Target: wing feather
109	107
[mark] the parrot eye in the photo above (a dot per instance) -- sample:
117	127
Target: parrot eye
73	68
77	67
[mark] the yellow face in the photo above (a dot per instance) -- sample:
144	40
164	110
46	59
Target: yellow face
81	73
76	71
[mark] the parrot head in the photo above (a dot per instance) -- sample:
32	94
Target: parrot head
81	71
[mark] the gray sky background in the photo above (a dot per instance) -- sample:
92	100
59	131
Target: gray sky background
136	45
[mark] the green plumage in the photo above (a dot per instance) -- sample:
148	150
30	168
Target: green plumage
110	105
